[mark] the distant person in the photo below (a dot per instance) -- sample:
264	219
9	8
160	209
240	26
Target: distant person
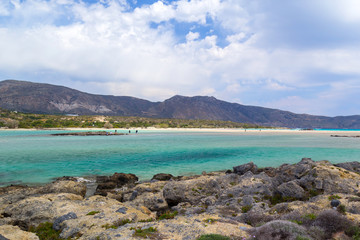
136	131
129	131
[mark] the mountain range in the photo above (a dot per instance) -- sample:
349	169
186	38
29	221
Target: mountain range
43	98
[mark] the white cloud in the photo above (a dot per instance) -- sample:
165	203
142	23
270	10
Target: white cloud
191	36
116	50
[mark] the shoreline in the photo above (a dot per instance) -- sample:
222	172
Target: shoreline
350	132
246	202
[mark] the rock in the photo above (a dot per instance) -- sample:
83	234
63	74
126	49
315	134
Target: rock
162	177
74	187
122	179
8	232
350	166
134	194
59	220
190	191
107	184
291	190
3	238
279	229
122	210
34	210
335	203
241	169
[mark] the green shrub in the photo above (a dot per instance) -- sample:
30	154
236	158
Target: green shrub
210	220
147	220
118	223
246	208
302	238
341	209
279	229
144	233
168	215
354	232
92	213
310	216
213	237
278	198
45	231
332	221
333	197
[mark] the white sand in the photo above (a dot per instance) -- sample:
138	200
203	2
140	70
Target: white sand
213	130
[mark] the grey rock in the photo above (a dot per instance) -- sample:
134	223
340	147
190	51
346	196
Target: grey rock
122	210
248	200
335	203
69	232
291	189
191	191
78	188
122	179
134	194
351	166
241	169
59	220
162	177
3	238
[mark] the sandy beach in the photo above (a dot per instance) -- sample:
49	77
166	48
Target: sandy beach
212	130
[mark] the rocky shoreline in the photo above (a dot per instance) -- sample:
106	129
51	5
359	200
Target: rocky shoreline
307	200
95	133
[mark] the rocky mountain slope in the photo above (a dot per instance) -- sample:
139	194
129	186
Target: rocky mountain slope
308	200
50	99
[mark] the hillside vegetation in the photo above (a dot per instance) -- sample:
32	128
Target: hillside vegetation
13	119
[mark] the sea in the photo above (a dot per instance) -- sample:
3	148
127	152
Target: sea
37	157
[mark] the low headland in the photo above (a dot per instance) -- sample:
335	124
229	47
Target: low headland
306	200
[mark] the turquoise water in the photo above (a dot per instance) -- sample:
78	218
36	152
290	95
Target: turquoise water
32	157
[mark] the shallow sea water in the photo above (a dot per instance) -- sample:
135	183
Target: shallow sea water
32	157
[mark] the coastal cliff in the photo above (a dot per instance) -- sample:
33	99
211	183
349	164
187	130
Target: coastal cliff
307	200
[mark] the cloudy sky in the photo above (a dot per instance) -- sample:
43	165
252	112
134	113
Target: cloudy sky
298	55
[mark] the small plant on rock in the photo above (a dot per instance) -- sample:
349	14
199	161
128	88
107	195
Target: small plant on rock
144	233
168	215
354	232
210	220
246	208
341	209
45	231
213	237
333	197
92	213
332	221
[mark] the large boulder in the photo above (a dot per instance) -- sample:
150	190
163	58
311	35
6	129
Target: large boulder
241	169
64	186
122	179
108	183
291	190
330	179
351	166
8	232
37	209
190	191
162	177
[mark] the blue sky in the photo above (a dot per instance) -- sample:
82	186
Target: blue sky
299	55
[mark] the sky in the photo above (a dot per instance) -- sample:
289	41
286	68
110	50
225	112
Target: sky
298	55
